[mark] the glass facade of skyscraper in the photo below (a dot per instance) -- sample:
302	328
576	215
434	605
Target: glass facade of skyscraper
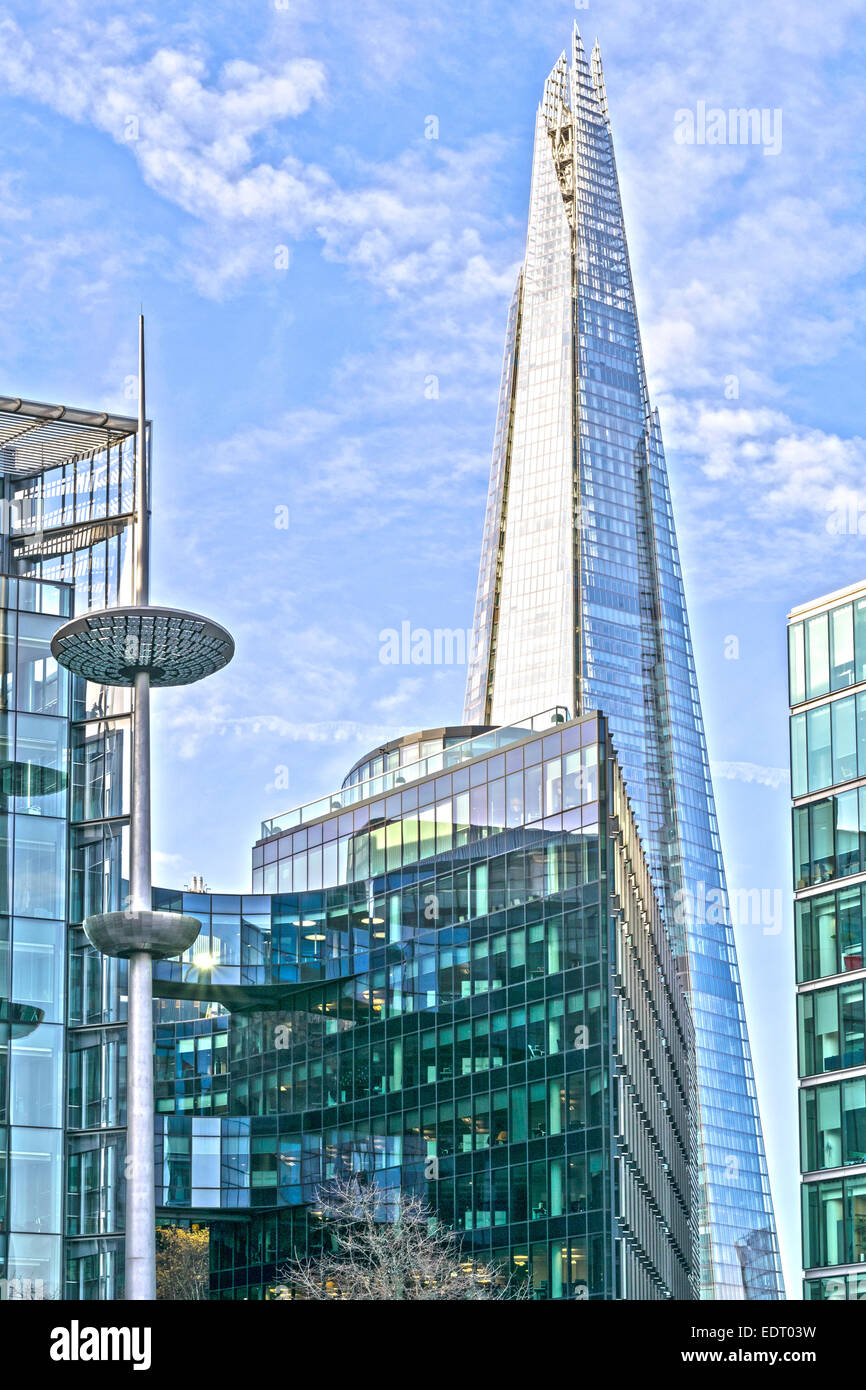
580	602
827	674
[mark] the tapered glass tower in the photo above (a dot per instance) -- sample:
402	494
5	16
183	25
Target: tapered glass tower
580	603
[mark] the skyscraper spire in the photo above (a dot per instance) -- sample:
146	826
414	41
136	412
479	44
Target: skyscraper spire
598	77
580	603
578	51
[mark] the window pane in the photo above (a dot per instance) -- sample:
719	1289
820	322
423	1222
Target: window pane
35	1260
802	863
829	1135
37	1075
860	639
514	799
817	657
532	792
850	920
41	684
818	1032
7	660
842	647
808	1130
844	741
799	783
39	781
847	834
818	748
831	1245
826	958
37	965
796	663
35	1180
855	1205
854	1120
823	866
40	867
851	1020
100	771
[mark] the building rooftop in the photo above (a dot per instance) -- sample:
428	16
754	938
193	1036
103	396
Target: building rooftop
828	600
473	747
34	436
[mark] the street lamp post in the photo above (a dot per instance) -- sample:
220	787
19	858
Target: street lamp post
141	646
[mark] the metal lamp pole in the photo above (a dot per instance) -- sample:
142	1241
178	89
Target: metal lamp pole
140	1198
141	646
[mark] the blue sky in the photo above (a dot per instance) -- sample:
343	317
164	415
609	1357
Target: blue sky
180	162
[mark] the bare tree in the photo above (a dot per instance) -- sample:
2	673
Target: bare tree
388	1245
182	1263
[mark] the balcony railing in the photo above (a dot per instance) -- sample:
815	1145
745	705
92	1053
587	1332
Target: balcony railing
397	777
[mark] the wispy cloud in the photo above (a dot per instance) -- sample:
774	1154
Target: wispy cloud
751	772
766	497
401	697
405	223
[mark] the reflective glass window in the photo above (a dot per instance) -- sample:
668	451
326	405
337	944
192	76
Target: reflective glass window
818	748
40	867
40	776
38	961
817	656
844	740
41	685
37	1077
35	1173
842	647
799	775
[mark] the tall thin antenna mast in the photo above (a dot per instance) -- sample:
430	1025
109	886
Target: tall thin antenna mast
142	486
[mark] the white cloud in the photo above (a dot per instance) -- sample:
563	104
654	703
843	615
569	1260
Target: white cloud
759	498
406	690
751	772
162	860
189	137
191	726
406	224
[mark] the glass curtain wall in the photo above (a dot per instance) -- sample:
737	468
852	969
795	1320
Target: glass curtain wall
72	523
580	602
436	1016
34	792
827	689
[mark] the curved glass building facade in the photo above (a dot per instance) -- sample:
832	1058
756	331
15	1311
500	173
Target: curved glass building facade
478	1003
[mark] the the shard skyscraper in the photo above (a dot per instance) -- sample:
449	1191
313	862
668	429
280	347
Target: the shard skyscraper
580	603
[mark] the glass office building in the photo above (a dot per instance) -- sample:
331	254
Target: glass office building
827	673
66	488
580	603
459	984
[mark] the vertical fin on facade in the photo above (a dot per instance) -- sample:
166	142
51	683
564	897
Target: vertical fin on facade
598	79
578	52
